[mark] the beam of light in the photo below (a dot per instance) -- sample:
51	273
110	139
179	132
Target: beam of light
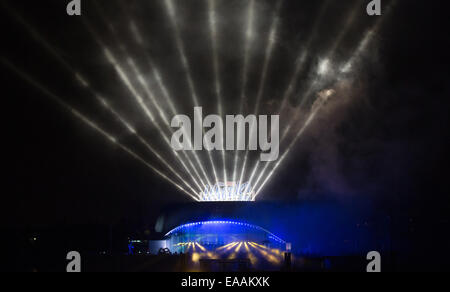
135	31
144	107
266	253
92	125
291	146
132	130
327	94
273	250
272	255
239	247
144	84
146	144
363	45
268	56
264	170
323	69
301	58
251	255
361	48
227	247
139	99
236	251
350	20
84	83
217	83
184	61
200	247
150	94
231	247
139	76
300	61
163	116
35	35
249	34
256	244
174	112
252	176
325	63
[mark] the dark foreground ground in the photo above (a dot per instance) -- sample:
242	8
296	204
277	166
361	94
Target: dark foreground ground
181	263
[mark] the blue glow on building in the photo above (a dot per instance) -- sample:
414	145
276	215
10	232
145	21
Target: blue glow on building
271	235
218	233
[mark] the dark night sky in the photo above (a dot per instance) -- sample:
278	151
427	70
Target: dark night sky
386	141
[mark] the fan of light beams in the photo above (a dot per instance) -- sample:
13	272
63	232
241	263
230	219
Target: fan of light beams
213	175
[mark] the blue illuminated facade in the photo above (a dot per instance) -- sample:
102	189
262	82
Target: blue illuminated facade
215	234
315	229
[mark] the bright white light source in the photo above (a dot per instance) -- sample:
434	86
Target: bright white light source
324	67
230	191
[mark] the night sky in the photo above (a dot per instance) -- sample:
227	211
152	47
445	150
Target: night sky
382	140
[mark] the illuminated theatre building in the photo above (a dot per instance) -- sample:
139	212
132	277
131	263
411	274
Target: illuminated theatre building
223	236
